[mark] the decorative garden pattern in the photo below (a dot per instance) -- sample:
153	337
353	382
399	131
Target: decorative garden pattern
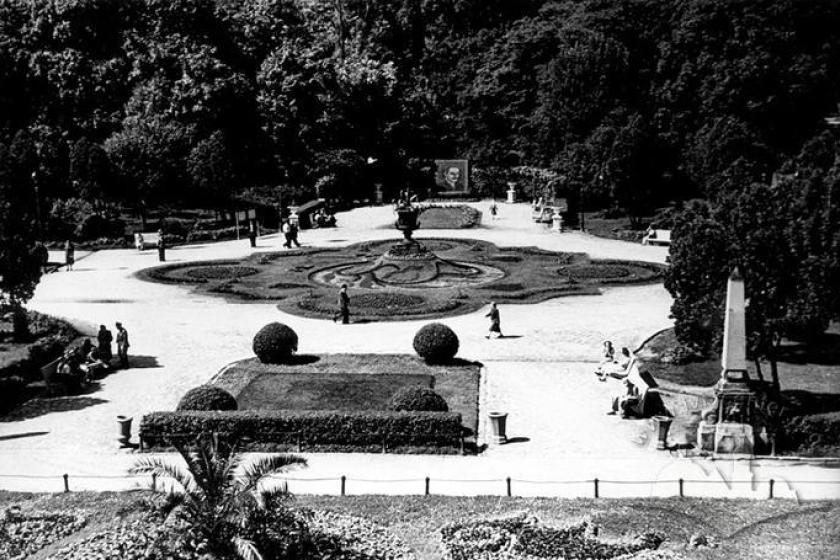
393	281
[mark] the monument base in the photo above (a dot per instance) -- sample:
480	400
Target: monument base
706	436
734	438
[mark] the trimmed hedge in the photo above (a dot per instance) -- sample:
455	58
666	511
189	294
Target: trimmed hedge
436	343
207	397
812	435
275	343
355	430
418	399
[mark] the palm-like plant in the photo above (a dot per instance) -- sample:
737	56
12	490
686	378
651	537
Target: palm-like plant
219	491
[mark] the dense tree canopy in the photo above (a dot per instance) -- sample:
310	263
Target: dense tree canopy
621	104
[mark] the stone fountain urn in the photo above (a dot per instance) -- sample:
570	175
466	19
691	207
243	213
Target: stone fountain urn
407	221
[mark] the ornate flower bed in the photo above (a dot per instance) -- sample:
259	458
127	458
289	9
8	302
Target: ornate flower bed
23	534
454	276
459	216
521	537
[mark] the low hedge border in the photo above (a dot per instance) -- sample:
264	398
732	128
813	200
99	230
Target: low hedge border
319	429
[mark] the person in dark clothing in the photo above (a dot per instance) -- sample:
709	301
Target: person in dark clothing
495	322
104	338
69	254
161	246
122	345
293	233
252	233
343	306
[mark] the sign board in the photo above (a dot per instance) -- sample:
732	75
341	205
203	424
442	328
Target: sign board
250	214
452	176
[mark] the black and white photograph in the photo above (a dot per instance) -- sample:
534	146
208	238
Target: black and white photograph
419	279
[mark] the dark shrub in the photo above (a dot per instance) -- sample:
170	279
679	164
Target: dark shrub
436	343
814	435
275	343
11	392
207	397
418	399
94	226
349	430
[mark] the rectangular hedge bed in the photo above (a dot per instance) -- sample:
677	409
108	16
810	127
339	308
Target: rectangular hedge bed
312	430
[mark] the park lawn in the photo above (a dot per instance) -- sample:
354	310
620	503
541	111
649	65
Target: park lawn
456	382
743	529
815	369
334	391
449	217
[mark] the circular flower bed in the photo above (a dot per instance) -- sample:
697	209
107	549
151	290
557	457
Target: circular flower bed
221	272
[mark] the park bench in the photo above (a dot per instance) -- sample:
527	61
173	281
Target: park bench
647	401
146	239
657	237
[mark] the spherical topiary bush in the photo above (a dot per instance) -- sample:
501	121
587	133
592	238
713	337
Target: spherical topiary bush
418	399
436	343
207	397
275	343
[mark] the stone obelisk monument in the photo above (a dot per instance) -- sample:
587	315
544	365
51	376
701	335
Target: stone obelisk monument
734	354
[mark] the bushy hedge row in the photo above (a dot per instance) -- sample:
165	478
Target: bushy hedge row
350	429
812	435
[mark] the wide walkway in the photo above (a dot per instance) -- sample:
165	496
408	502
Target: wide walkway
541	376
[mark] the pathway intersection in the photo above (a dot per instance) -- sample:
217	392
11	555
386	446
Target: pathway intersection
543	379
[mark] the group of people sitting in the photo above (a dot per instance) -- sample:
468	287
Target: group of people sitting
631	386
323	219
87	361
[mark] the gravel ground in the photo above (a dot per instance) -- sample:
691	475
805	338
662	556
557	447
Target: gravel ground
540	373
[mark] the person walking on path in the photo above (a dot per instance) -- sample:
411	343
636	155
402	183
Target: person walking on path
287	233
161	246
104	339
293	233
122	345
494	210
252	232
69	254
495	322
343	306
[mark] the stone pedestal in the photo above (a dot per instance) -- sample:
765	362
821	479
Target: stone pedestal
379	194
557	223
706	436
511	195
663	424
734	438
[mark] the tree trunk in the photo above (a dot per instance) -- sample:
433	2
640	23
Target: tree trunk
758	370
20	323
774	368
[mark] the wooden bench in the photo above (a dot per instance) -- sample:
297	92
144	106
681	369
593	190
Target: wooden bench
657	237
146	239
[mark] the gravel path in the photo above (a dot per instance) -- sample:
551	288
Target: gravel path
540	374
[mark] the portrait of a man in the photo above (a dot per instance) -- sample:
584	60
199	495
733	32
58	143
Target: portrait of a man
452	176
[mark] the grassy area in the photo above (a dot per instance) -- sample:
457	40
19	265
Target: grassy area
814	368
337	391
449	217
743	529
332	382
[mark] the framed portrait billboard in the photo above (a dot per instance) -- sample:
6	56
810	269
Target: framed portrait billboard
452	176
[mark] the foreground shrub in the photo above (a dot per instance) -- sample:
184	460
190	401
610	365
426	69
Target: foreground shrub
24	534
223	504
352	430
812	435
207	397
12	391
418	399
275	343
436	343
